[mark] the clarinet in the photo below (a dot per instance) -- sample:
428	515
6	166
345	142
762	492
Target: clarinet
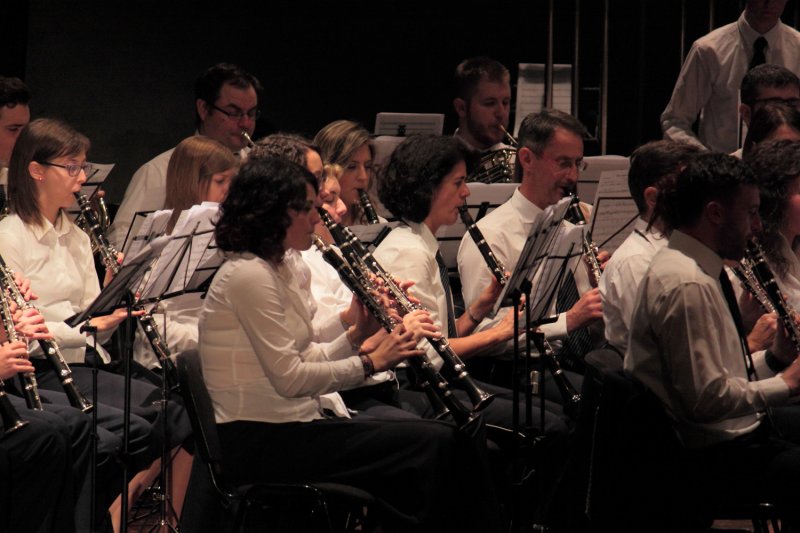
366	205
496	267
571	397
49	346
432	383
356	255
88	221
766	278
590	250
30	388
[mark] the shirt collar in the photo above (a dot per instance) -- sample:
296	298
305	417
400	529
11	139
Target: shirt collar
419	228
62	227
749	35
706	258
527	210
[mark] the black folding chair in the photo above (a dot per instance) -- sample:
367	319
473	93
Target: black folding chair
295	507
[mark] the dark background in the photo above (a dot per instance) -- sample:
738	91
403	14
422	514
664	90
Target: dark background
122	73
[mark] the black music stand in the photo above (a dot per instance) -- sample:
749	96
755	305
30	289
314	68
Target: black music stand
540	268
118	293
186	264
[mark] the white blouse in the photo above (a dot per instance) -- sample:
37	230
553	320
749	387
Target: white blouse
256	345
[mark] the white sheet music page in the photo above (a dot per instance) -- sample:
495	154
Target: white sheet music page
199	227
148	228
614	212
530	90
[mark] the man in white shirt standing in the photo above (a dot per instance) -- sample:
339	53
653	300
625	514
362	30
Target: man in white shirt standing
713	70
226	104
686	345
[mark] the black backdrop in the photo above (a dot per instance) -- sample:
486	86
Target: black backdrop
123	72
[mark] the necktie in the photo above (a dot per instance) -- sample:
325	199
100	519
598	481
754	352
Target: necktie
733	306
758	52
448	294
579	342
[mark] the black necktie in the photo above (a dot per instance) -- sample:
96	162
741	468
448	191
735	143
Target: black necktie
758	52
733	306
579	341
445	277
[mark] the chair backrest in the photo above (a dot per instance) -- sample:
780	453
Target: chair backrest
198	405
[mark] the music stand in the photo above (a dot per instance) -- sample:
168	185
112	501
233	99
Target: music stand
537	266
115	295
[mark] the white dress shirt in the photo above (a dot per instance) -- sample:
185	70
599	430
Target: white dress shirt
789	282
59	263
260	362
685	348
146	191
619	283
331	295
711	77
409	253
506	229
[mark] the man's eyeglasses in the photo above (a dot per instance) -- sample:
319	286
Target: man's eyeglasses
237	115
73	169
565	163
791	102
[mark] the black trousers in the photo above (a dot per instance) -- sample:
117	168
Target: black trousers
36	472
418	466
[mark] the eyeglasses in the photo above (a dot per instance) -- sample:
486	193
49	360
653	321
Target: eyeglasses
565	163
238	115
73	169
792	102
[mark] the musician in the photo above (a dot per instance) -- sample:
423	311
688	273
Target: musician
766	84
200	170
482	103
712	72
423	185
47	167
772	121
329	299
226	104
348	145
35	464
653	169
686	348
264	371
549	158
14	115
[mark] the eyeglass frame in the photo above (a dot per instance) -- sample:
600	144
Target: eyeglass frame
86	167
565	163
238	115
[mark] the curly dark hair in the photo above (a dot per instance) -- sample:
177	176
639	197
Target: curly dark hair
707	177
255	215
776	164
416	169
286	145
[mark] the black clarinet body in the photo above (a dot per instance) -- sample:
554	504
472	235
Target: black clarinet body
590	251
432	383
30	387
355	252
88	221
50	348
495	266
766	278
366	205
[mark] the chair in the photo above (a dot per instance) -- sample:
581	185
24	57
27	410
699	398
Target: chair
287	506
639	478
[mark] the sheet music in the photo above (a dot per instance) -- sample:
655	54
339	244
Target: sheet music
530	90
449	237
614	212
148	226
185	249
367	233
596	166
404	124
533	263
